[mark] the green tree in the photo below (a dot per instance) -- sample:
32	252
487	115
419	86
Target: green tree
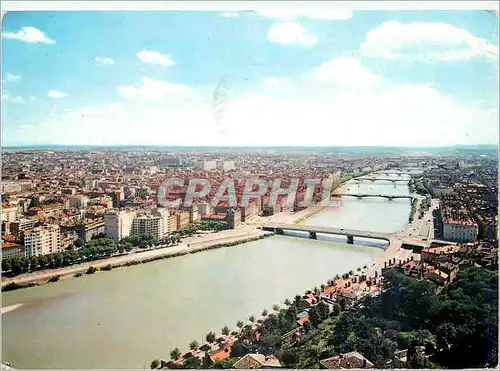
276	307
175	354
240	324
6	265
194	345
252	318
223	364
335	310
287	302
226	330
192	363
289	358
155	364
264	313
210	337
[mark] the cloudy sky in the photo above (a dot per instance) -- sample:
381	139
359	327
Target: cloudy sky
315	77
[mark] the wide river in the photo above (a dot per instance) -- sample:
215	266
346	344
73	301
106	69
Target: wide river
129	316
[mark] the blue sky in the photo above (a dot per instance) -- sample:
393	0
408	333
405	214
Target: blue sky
306	78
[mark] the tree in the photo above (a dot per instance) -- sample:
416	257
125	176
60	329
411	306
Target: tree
289	358
240	324
175	354
264	313
192	363
226	330
194	345
223	364
252	318
335	310
276	307
155	364
6	265
287	302
238	349
210	337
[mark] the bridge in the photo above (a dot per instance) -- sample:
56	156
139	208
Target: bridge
360	196
386	179
313	230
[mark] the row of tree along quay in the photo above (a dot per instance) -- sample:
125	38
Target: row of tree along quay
91	270
100	248
407	325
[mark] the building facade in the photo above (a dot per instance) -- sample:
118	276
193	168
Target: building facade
459	231
118	223
42	240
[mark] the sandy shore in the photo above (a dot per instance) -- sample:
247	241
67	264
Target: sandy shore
10	308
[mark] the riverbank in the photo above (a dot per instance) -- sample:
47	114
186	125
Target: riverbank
189	246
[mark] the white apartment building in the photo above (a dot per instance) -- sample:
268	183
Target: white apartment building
228	166
154	223
208	165
459	231
42	240
118	224
78	201
9	213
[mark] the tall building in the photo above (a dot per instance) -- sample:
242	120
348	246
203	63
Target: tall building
78	201
154	223
208	165
118	223
9	213
42	240
149	224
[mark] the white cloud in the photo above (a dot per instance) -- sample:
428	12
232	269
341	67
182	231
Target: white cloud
320	14
345	71
11	77
56	94
153	57
272	81
291	33
29	35
331	111
104	60
32	98
230	14
151	89
8	98
425	42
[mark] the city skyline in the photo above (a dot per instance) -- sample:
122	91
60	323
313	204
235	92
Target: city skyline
268	78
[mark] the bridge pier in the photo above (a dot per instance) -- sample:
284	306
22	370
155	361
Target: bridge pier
279	231
350	240
312	235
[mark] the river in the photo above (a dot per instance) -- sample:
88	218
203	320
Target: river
129	316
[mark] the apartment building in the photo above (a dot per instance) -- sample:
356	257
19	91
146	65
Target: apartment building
78	201
42	240
460	230
208	165
154	223
118	223
9	213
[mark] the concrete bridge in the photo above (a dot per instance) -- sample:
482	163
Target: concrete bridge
386	179
360	196
313	230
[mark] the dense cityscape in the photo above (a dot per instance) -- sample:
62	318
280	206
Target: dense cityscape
71	212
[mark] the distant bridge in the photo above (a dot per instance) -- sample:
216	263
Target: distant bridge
386	179
313	230
360	196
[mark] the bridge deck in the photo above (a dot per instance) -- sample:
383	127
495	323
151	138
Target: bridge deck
370	195
328	230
